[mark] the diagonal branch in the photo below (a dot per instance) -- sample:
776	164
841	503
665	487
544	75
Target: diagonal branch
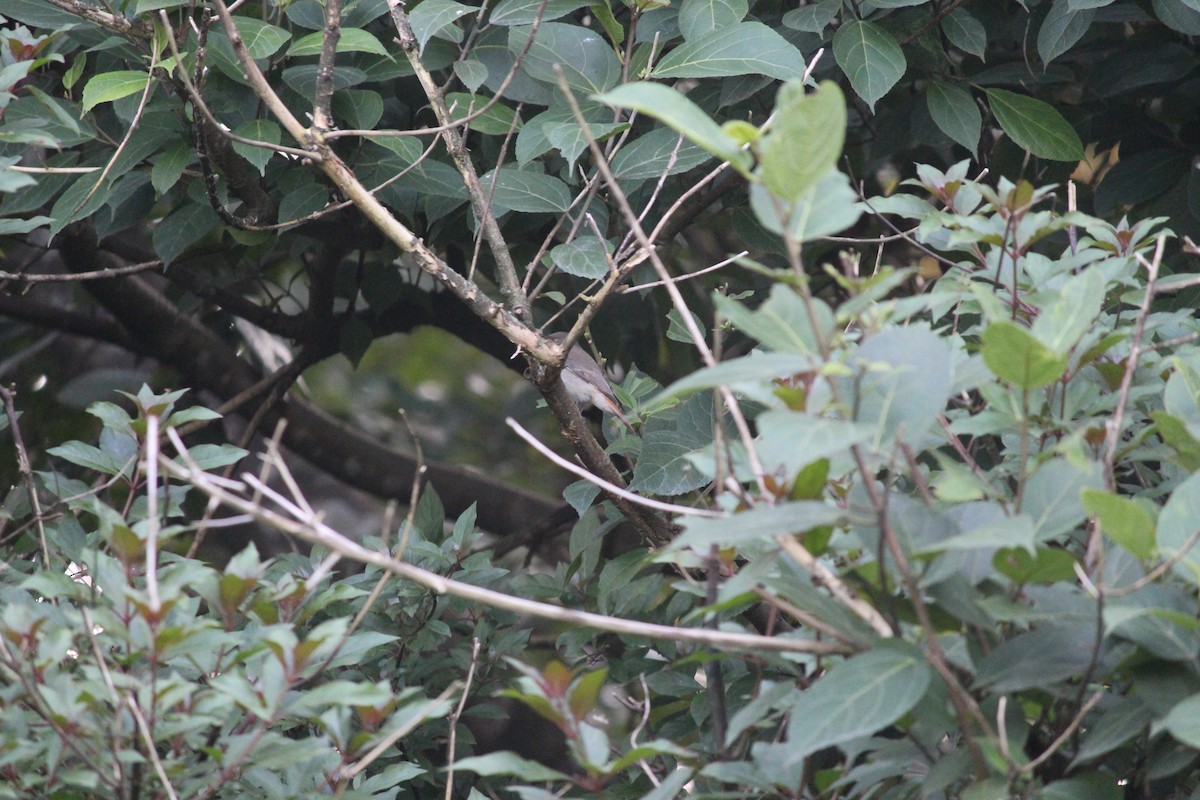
510	284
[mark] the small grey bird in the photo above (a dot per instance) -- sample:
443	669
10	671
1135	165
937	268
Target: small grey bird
587	384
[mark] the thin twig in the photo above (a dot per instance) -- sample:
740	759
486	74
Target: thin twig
315	531
575	469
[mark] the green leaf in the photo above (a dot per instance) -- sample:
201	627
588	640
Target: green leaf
1122	520
109	86
871	58
351	40
521	190
749	48
1070	315
1052	497
506	763
1035	126
1178	523
184	227
569	139
1061	29
169	167
214	456
664	468
89	457
755	368
855	699
260	130
358	108
785	322
1094	786
661	151
954	111
756	526
814	17
432	16
261	39
497	120
965	32
1046	565
700	17
1175	15
524	12
584	257
472	73
1121	721
1014	355
805	140
902	383
681	115
827	208
587	61
1039	658
1183	721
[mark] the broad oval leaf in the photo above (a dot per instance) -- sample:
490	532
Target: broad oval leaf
856	698
749	48
1013	354
519	190
871	58
1178	526
433	16
680	114
965	32
587	61
1062	28
1035	126
584	257
827	208
261	39
805	140
700	17
351	40
954	111
659	151
1183	721
109	86
524	12
260	130
1177	16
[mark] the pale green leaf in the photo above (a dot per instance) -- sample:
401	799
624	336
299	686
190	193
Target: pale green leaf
1178	525
805	140
680	114
351	40
109	86
827	208
1014	355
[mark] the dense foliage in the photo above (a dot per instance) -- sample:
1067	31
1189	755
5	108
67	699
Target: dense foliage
914	518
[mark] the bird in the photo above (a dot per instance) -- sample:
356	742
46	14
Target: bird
586	382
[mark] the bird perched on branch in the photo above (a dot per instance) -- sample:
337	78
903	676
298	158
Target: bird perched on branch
586	382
